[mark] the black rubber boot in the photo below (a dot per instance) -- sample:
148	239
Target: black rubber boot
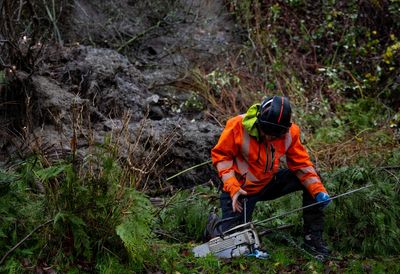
213	227
314	243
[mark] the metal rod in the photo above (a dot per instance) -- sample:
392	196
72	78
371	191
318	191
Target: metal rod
292	211
307	206
245	210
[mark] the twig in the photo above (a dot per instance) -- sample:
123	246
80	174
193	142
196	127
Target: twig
391	173
215	119
168	202
133	39
106	249
21	4
190	168
24	239
160	232
52	16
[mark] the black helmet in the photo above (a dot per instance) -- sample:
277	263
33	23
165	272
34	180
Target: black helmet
274	116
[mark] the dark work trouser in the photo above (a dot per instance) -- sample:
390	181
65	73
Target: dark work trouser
284	182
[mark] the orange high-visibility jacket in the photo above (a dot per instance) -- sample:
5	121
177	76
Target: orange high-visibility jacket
243	162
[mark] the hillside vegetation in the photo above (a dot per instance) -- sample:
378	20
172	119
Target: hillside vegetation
108	208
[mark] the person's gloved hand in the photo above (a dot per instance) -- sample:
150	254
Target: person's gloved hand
323	197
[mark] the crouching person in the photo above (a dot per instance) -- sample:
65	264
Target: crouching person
247	158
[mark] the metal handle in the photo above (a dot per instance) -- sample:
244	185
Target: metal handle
245	210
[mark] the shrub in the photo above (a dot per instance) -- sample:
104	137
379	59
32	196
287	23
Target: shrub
92	208
367	221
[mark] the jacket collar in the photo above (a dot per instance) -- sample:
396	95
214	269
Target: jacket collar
249	121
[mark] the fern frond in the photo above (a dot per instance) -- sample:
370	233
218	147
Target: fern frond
135	229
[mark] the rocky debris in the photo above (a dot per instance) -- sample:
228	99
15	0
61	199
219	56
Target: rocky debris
78	87
53	103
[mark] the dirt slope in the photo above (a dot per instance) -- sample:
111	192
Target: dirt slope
120	59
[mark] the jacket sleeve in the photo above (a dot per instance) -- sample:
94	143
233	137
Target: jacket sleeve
223	155
299	162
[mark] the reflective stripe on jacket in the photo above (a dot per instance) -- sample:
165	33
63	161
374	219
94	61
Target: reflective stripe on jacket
243	162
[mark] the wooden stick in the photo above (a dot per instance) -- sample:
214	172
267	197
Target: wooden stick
190	168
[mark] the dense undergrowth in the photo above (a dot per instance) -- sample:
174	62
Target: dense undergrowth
338	61
82	221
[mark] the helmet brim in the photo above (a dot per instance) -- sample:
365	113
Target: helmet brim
272	129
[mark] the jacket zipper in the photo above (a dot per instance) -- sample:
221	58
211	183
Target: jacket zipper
273	157
267	158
